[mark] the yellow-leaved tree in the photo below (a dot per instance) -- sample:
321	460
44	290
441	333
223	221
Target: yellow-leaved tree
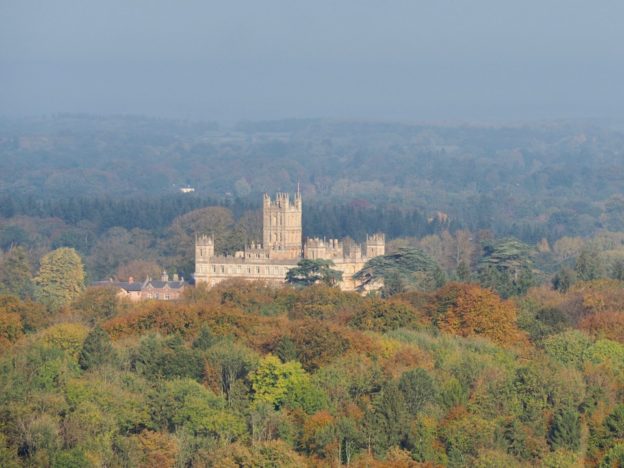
60	279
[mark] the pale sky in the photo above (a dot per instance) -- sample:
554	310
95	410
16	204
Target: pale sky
266	59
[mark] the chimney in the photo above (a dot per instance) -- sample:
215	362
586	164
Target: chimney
175	277
164	276
130	280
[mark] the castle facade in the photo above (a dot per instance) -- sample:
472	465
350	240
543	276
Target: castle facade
281	249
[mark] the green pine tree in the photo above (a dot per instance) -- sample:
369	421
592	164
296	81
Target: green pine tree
565	430
96	350
308	272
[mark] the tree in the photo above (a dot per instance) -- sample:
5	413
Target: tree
588	265
564	279
617	269
565	430
614	457
286	349
186	404
404	270
216	221
138	269
96	349
12	236
308	272
450	250
60	279
388	422
463	272
384	315
205	339
317	344
10	327
228	362
119	246
567	248
605	325
279	384
506	267
468	310
97	303
418	388
68	337
15	276
32	314
167	357
614	423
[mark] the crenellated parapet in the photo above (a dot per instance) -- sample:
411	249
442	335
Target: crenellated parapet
316	248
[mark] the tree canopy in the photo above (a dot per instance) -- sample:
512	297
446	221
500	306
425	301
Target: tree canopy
309	272
406	269
60	278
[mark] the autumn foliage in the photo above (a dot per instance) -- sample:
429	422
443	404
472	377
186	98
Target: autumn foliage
469	310
245	374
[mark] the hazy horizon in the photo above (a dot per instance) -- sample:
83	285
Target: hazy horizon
415	61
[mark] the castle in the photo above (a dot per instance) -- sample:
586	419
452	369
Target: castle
281	249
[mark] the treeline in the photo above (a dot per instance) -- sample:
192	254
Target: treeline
155	213
152	213
356	221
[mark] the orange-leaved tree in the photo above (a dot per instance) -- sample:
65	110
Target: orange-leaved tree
605	325
469	310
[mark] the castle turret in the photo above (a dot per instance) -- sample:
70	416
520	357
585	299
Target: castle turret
204	251
375	245
204	247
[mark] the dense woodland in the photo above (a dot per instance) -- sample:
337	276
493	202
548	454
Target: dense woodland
497	339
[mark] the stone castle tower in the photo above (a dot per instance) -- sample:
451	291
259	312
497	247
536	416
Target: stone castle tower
375	245
282	234
204	248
